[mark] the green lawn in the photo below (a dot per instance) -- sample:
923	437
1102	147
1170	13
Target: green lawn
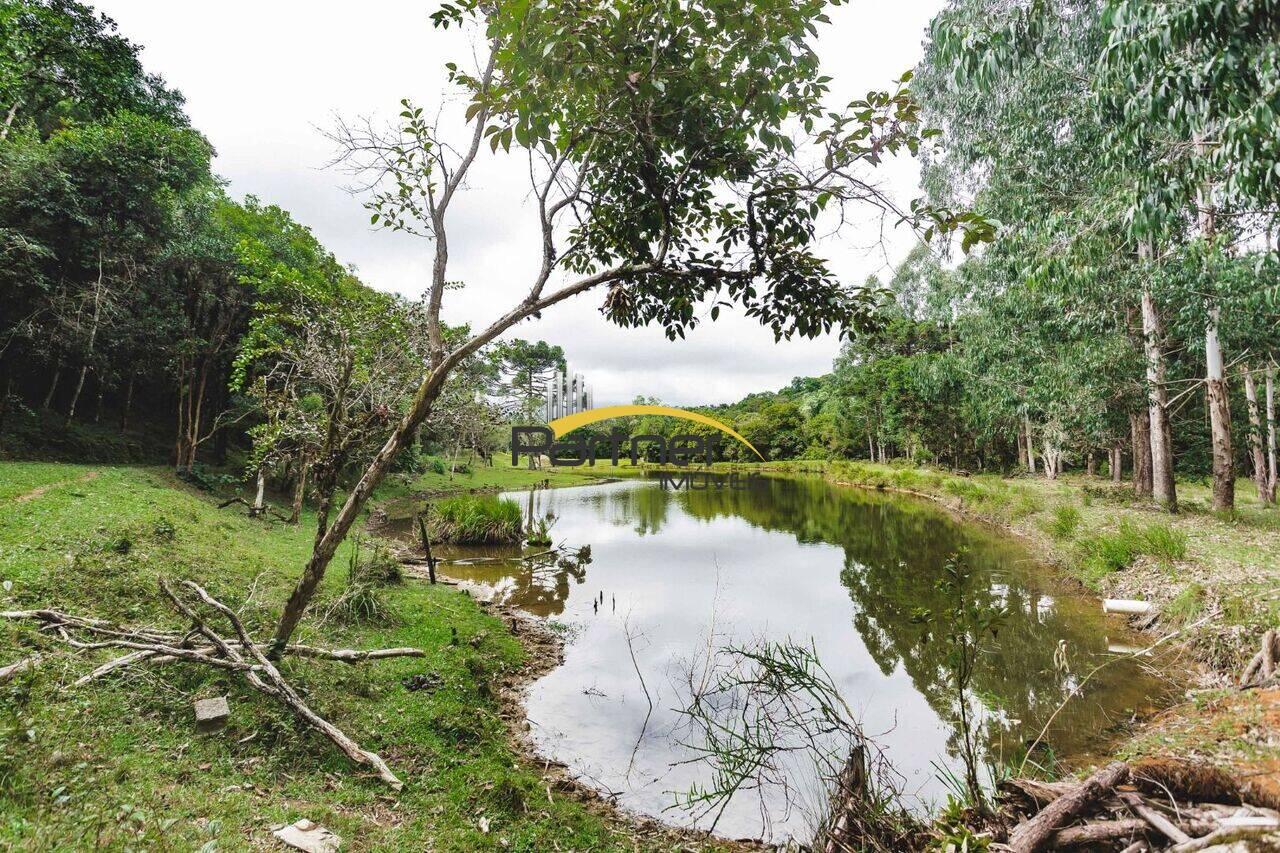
118	765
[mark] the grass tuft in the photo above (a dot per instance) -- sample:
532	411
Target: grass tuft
475	520
1064	523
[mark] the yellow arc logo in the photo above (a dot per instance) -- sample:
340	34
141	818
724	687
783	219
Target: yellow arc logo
562	426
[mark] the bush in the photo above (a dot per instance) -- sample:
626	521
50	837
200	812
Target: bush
1065	521
437	465
476	520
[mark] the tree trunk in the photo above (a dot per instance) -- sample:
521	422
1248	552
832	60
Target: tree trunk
53	387
1031	446
327	542
259	500
75	395
1091	464
1271	435
1117	463
93	339
1224	478
299	491
1022	450
1161	437
1140	429
1260	477
126	409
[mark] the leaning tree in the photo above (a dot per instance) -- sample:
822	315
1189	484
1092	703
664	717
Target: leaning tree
680	156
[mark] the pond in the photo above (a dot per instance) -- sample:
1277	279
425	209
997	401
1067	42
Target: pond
675	573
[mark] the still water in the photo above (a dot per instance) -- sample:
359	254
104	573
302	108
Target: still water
846	569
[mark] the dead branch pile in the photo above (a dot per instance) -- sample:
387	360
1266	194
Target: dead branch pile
202	644
1157	805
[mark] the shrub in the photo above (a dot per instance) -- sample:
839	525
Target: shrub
475	520
437	465
1065	521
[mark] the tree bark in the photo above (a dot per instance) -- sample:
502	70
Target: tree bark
1224	478
53	387
1161	437
1031	445
1271	435
1140	428
1091	464
1260	477
93	339
1117	462
259	500
299	490
1035	834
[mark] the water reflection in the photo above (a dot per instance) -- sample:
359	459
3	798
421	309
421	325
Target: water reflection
857	572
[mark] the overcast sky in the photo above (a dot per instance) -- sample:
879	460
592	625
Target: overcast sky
263	78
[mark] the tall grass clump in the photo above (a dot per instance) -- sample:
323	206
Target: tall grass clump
1064	522
1164	542
1110	552
363	601
476	520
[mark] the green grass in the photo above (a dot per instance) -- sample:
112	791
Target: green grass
476	520
500	476
1064	522
118	765
1105	553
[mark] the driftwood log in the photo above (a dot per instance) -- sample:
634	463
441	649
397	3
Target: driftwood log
1171	805
201	644
1035	834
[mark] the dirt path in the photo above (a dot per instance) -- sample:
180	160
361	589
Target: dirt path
40	490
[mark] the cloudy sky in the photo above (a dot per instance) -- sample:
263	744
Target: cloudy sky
263	79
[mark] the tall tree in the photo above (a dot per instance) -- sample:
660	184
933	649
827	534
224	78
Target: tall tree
695	164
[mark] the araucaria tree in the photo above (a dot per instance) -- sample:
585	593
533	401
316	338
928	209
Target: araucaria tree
680	154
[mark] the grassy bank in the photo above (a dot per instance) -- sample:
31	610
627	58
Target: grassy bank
118	764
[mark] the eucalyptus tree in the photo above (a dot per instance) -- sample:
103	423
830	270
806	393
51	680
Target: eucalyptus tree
679	154
1192	84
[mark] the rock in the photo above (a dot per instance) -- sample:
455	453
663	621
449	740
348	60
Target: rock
308	836
211	714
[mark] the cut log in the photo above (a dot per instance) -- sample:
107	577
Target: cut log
1034	835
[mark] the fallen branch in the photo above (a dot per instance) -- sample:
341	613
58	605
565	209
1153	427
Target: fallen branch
19	667
1035	834
241	654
